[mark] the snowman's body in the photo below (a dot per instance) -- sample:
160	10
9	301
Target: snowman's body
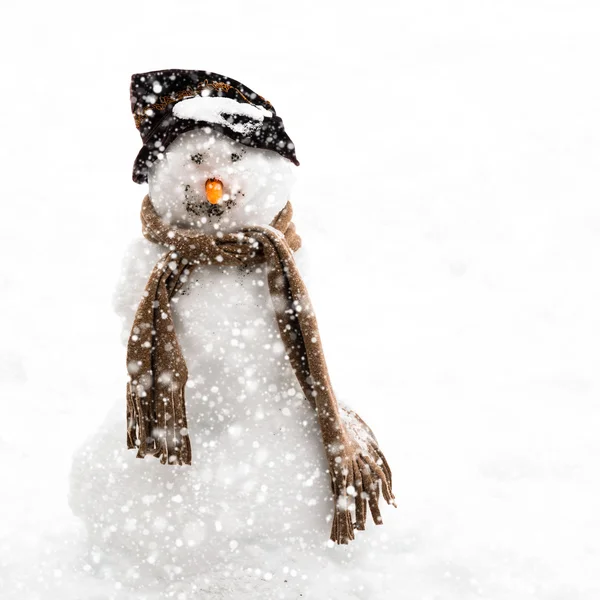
258	480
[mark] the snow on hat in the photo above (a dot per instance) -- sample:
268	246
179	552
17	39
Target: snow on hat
167	103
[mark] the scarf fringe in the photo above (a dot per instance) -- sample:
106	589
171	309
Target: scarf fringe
168	440
357	484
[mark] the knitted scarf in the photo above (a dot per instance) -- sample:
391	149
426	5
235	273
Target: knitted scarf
156	416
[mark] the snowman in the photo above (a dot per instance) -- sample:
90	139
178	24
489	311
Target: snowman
246	453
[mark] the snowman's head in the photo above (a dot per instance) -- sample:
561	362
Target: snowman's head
207	181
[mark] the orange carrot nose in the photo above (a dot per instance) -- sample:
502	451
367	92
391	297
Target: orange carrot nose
214	190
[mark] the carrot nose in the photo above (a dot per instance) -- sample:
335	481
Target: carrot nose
214	190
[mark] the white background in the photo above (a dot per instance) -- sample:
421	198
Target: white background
449	196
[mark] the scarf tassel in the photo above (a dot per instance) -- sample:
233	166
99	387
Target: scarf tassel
357	488
163	434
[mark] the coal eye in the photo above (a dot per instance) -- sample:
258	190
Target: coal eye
197	158
235	157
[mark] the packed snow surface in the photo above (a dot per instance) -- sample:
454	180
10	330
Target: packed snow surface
212	109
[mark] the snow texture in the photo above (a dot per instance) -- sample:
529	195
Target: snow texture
213	109
467	208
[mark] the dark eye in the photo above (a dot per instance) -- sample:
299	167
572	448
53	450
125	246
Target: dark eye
198	159
235	157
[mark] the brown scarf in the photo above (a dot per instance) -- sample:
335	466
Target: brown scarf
156	419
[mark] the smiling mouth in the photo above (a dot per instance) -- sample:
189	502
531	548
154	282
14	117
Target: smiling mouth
200	207
204	209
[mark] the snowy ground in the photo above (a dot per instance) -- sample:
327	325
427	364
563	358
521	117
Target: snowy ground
450	156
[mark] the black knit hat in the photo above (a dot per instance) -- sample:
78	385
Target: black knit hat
167	103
